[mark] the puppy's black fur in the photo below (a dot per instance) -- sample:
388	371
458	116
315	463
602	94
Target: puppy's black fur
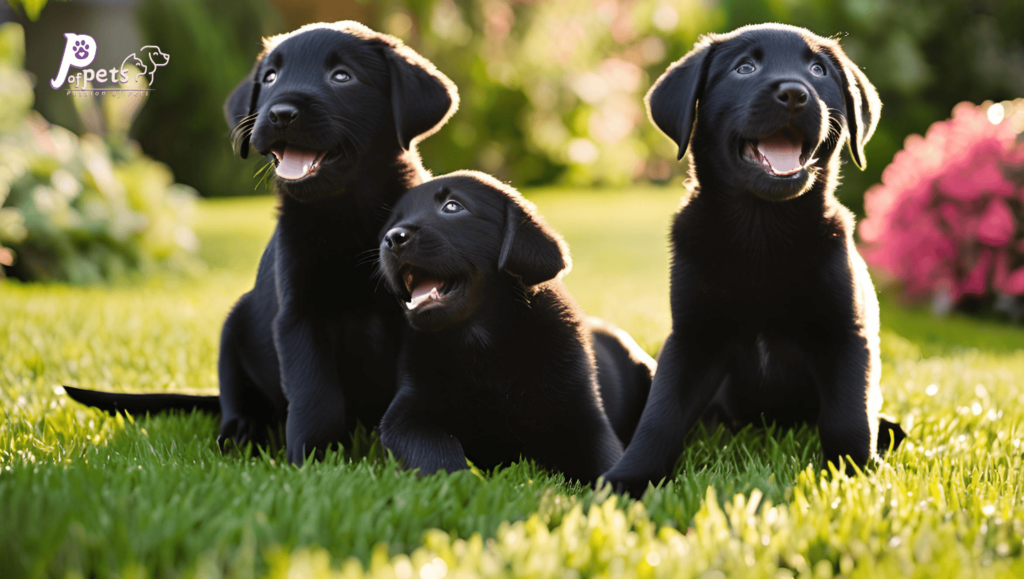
339	109
498	363
774	314
624	372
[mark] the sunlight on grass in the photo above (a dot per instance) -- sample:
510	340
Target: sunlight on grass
85	494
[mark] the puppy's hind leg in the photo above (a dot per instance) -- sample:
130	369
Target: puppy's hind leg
890	434
624	374
246	413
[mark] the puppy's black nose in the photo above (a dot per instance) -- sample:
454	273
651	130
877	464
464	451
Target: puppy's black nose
396	237
283	114
792	95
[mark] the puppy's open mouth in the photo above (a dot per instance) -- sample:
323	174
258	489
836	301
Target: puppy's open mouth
424	289
293	163
782	153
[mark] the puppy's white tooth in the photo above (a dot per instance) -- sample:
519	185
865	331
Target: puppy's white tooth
434	294
415	302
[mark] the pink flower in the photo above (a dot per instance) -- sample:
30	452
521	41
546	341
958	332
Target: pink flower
976	282
944	214
954	217
997	226
980	176
1014	284
1002	268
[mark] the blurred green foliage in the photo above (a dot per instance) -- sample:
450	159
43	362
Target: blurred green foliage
31	8
552	92
82	209
213	46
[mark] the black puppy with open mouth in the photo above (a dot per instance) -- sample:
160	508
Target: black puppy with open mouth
774	316
499	363
338	110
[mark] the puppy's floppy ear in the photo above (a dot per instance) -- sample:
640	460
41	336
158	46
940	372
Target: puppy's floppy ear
240	105
863	107
672	101
531	249
422	98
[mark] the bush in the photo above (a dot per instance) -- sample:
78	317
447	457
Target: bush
82	209
552	91
213	46
945	221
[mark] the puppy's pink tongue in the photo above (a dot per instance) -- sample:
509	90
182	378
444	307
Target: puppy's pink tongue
294	163
425	290
782	152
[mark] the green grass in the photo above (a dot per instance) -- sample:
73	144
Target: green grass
83	494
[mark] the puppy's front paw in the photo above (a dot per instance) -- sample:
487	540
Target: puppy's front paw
626	485
239	431
298	452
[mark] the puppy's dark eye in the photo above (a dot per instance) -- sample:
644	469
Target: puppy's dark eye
270	77
340	76
745	68
817	70
452	207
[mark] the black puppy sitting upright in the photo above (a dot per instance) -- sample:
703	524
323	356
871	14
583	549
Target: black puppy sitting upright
773	311
339	108
499	363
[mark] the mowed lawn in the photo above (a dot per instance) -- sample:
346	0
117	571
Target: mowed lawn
86	495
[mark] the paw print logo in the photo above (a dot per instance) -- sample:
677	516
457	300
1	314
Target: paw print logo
81	50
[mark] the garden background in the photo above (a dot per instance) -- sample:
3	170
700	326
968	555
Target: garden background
111	208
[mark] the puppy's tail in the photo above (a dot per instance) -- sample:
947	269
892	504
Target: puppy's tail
140	404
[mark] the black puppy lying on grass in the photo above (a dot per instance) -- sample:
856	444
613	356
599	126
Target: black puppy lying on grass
499	361
774	314
338	108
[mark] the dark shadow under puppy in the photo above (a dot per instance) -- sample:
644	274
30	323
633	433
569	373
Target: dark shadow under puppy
774	316
499	362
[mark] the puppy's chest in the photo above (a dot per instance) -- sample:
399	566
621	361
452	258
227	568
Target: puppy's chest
740	282
758	271
485	397
486	392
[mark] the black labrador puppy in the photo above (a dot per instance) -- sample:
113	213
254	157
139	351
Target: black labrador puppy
773	312
499	362
338	108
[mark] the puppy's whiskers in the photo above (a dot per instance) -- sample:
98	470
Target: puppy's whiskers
378	276
242	131
368	257
835	123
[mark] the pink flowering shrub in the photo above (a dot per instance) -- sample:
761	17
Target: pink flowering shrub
946	219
